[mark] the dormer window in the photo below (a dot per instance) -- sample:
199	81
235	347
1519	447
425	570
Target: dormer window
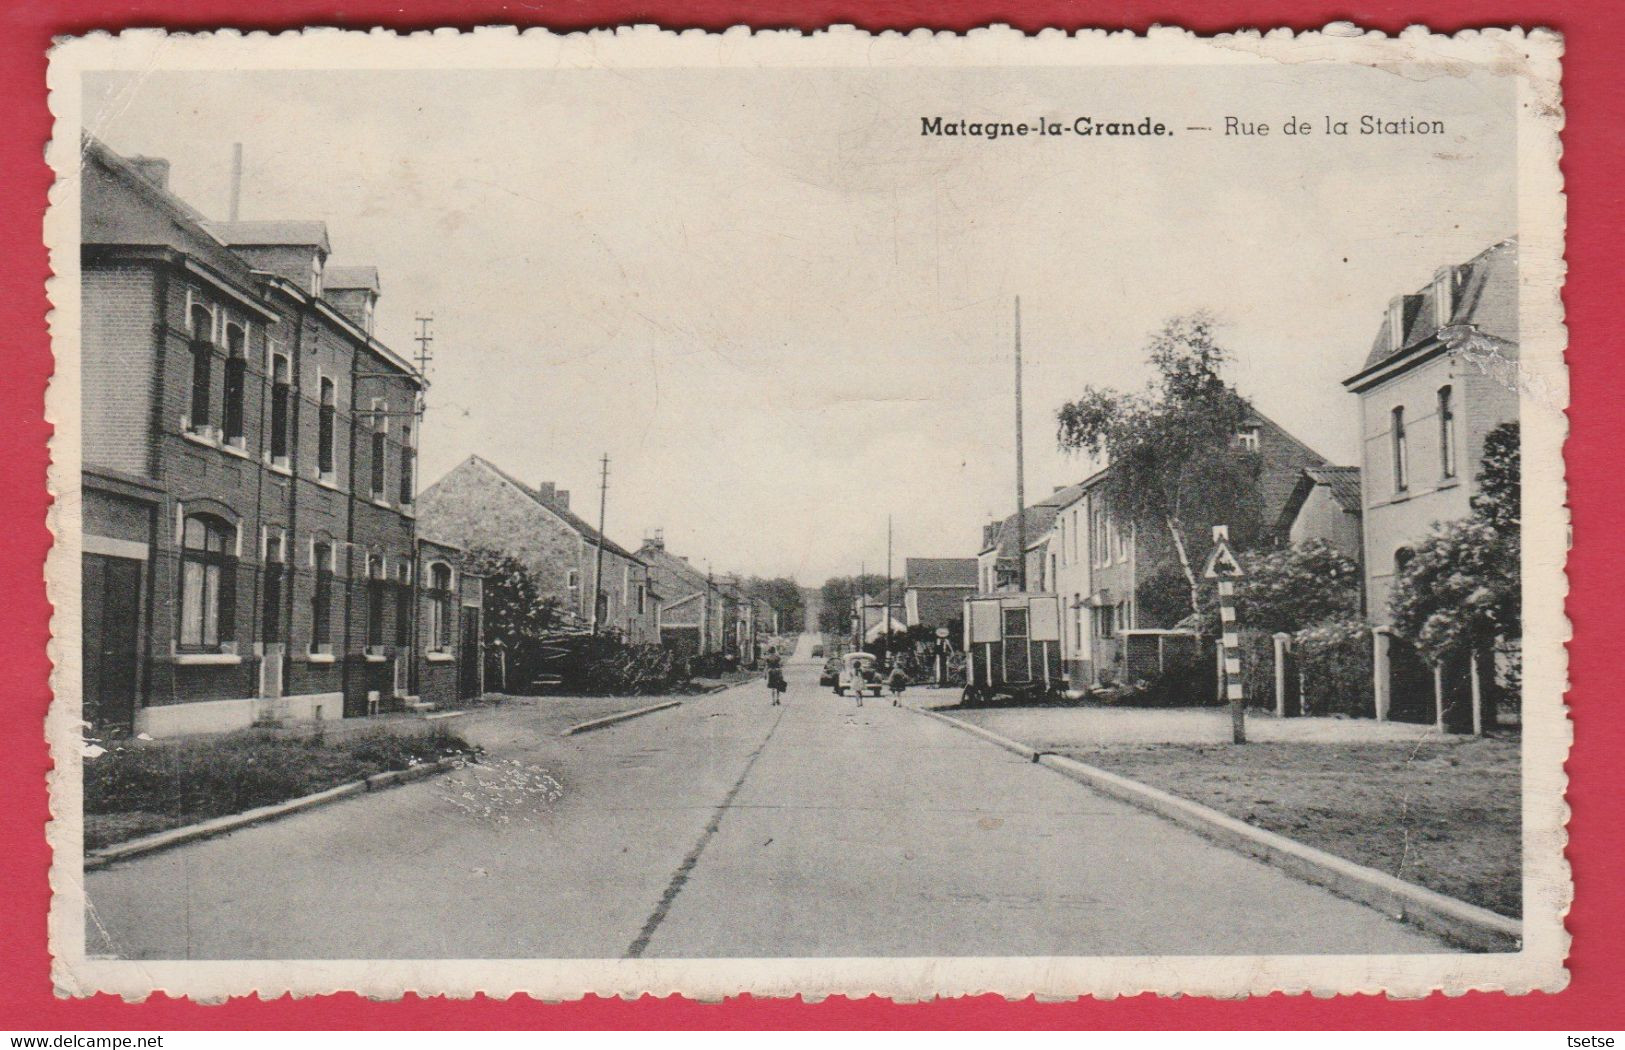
1444	296
1247	438
1396	323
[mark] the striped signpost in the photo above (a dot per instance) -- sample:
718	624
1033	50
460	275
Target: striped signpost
1222	565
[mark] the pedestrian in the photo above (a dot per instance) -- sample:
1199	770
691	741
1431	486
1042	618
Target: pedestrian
898	680
775	676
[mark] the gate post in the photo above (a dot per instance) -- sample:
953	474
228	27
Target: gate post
1381	671
1438	696
1283	646
1478	693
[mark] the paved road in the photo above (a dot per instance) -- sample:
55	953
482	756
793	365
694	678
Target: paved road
725	827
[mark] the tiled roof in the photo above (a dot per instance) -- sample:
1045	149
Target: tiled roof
1342	482
349	278
570	518
272	232
1486	297
1039	518
939	572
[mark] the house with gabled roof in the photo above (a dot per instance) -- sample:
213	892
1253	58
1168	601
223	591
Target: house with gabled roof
1098	562
479	505
1432	387
1324	505
935	589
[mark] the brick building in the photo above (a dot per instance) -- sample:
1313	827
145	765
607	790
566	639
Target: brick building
935	589
248	469
477	504
693	618
1078	548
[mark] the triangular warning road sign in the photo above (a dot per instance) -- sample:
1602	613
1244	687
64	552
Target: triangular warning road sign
1222	563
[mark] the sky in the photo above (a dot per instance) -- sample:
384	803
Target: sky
785	314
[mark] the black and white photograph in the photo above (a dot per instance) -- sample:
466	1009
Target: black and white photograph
808	514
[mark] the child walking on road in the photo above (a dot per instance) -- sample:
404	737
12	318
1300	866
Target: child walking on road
898	680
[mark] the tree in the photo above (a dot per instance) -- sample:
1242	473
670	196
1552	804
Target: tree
784	595
1462	590
836	605
1290	588
1177	467
515	614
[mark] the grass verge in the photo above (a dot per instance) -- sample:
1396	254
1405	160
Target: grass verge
1444	815
138	788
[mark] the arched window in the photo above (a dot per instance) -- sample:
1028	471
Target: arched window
281	396
1401	449
1447	434
274	568
236	369
202	324
403	604
325	429
408	465
208	581
321	598
376	588
440	606
380	446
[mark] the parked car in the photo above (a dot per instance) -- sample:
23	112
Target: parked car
832	672
859	672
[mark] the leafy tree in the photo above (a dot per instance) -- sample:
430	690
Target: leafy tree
515	614
1462	589
836	598
1290	588
785	597
1176	466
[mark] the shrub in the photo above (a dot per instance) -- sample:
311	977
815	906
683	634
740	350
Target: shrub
1186	679
1334	665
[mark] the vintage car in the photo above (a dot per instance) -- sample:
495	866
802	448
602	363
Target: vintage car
831	673
859	672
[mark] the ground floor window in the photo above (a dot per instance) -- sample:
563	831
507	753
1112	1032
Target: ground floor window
208	578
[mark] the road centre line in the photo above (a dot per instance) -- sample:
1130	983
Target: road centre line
679	878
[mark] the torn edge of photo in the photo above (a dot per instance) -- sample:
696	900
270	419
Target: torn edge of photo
1189	380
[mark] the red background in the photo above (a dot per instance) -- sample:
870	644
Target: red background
1594	170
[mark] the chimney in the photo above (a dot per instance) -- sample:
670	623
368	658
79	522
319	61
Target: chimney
656	540
154	169
561	499
545	490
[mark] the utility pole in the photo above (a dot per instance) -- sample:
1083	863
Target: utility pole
887	614
1021	470
423	339
598	565
862	604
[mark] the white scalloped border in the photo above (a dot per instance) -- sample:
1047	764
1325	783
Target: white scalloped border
1533	57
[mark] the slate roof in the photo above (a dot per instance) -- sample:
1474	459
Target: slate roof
1007	534
350	278
1486	297
939	572
1343	483
569	516
264	232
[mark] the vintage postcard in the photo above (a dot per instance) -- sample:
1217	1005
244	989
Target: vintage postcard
808	514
